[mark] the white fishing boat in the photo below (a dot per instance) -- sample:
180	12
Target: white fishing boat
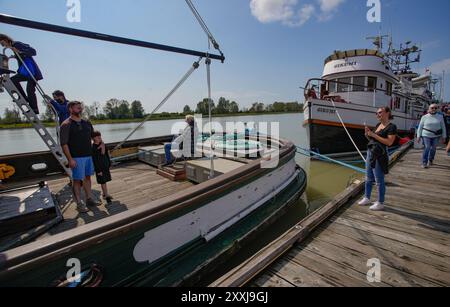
354	84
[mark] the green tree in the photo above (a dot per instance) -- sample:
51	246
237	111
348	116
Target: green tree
12	116
234	107
187	110
137	110
257	107
111	108
279	107
223	106
49	114
203	107
124	110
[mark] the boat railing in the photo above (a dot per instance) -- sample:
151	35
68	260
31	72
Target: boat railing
346	94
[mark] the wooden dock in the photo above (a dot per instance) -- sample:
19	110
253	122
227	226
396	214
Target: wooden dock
332	247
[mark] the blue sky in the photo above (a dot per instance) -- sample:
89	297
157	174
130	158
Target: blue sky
272	46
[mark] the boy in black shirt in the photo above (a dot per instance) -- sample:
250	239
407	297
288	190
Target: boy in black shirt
102	163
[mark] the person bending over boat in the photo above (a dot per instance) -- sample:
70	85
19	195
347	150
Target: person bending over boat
76	136
23	74
431	129
377	164
185	142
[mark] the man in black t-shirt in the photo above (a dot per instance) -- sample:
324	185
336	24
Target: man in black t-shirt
76	136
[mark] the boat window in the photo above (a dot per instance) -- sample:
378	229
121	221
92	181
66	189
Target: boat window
397	103
332	86
372	84
343	85
388	88
359	83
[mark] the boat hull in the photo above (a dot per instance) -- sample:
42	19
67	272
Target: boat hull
145	246
327	135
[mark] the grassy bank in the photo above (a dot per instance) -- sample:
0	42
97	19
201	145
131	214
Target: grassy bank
126	121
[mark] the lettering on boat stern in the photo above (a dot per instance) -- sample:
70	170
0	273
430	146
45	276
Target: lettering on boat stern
325	110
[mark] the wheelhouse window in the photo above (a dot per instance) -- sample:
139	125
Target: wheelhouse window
332	86
371	84
397	103
388	88
344	85
359	84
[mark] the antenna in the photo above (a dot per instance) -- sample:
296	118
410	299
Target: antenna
378	41
400	59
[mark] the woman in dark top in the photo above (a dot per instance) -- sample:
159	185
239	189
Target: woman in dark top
377	164
102	164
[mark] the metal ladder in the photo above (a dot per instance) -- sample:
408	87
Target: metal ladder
24	107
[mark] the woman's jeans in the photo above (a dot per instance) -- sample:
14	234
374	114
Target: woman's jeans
430	149
375	176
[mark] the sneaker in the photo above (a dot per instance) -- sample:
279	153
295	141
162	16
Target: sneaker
92	203
364	202
377	207
108	199
430	164
81	207
425	166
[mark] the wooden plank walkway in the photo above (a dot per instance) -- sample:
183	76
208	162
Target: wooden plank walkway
411	238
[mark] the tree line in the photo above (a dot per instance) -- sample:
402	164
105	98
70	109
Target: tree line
117	109
225	106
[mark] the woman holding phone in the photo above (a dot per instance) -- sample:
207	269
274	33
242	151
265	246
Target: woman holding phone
377	164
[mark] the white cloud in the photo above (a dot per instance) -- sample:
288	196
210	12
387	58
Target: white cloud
273	10
440	66
328	8
288	12
306	13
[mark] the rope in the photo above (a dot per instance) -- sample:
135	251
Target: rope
308	153
346	130
204	26
208	77
179	84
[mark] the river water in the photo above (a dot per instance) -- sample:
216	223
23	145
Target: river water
325	180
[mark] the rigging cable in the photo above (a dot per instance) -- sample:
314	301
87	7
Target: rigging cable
346	130
179	84
205	28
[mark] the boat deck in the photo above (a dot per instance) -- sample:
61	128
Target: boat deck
411	239
134	184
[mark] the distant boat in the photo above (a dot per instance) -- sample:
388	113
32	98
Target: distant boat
359	82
